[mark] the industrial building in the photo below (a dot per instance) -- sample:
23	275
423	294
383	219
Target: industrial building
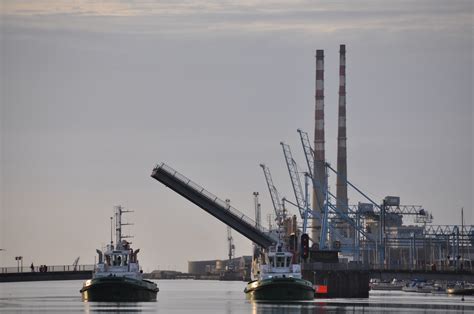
241	266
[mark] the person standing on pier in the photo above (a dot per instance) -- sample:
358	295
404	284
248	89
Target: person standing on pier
32	267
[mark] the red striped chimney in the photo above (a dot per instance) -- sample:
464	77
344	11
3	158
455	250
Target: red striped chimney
341	184
319	174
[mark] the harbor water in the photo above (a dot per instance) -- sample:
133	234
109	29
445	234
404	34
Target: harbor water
206	296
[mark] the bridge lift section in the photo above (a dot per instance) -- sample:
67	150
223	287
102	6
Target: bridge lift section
213	205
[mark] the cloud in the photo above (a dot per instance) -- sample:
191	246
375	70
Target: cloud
243	16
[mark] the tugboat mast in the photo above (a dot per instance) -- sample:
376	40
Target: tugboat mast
111	228
119	210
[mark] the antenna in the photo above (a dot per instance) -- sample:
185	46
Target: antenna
111	232
119	210
462	238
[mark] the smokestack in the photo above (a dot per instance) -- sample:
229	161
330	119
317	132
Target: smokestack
319	174
341	192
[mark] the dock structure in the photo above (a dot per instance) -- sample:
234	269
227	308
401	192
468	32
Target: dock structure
213	205
53	272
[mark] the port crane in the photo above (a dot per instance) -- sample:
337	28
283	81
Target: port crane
303	204
280	211
349	216
353	213
230	240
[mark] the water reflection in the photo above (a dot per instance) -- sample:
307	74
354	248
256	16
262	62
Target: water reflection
291	307
358	306
113	307
204	297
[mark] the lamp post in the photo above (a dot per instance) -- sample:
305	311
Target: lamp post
19	259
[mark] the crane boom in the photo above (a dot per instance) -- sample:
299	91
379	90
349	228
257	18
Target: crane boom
275	196
308	151
309	154
295	179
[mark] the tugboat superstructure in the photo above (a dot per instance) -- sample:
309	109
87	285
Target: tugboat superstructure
118	276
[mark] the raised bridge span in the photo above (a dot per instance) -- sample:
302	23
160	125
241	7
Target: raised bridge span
212	204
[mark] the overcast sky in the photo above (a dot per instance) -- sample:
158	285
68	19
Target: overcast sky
95	93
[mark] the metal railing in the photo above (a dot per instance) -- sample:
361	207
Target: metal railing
49	268
389	268
437	267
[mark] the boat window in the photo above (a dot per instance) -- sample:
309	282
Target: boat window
271	262
280	261
288	261
116	260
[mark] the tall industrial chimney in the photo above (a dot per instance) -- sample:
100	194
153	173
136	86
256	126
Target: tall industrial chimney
319	174
341	192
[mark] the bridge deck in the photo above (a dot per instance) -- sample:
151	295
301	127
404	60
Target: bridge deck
212	204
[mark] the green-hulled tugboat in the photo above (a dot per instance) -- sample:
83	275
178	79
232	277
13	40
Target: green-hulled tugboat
276	277
118	277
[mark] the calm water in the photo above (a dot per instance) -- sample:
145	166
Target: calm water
194	296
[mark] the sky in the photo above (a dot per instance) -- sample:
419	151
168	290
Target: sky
95	93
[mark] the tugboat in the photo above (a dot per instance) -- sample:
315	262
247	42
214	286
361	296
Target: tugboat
118	276
275	276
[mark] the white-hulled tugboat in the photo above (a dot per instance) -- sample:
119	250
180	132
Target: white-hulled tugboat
276	277
118	276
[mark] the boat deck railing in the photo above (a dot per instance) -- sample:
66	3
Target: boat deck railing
229	213
209	195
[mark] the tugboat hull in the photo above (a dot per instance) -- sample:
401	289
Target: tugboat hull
280	289
119	289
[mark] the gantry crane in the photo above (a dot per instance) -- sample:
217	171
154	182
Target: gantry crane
279	208
302	199
230	240
353	213
303	204
330	198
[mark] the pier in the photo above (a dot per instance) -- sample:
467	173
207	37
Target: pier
53	272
